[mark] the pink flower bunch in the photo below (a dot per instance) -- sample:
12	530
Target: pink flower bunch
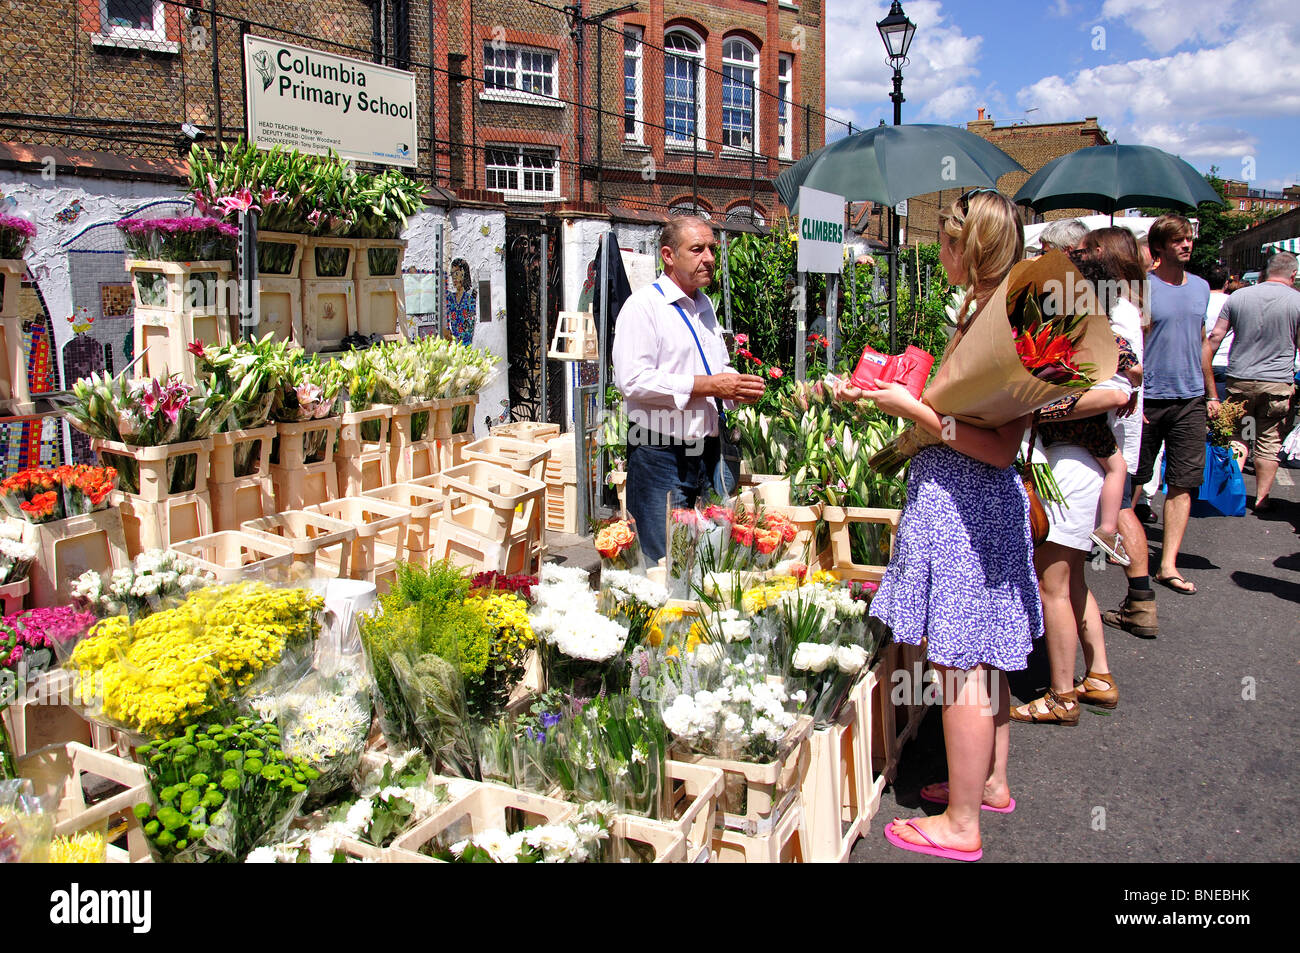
20	225
50	628
14	235
168	399
189	224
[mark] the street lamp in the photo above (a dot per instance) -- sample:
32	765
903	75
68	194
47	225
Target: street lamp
896	30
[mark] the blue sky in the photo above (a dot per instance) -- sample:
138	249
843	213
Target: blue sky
1214	81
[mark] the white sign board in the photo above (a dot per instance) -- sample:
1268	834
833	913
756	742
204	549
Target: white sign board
901	209
313	101
821	231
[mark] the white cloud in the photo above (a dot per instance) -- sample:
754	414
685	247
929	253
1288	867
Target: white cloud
1192	140
943	60
1167	24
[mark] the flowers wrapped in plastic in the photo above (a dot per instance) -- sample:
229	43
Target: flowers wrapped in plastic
582	649
26	824
221	789
16	560
38	639
618	545
160	673
156	579
1041	337
583	839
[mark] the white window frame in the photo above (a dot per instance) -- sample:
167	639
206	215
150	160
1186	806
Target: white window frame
521	171
670	140
134	37
784	86
515	93
699	211
752	87
743	212
634	36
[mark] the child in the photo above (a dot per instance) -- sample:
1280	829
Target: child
1094	434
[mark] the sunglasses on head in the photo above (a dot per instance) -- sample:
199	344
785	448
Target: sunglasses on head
963	202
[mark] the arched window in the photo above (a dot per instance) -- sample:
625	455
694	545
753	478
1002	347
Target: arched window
744	213
687	208
683	91
739	80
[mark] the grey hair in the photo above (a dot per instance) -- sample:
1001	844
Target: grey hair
672	233
1283	264
1063	235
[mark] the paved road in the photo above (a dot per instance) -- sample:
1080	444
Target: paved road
1186	769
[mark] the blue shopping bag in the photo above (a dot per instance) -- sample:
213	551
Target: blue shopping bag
1223	491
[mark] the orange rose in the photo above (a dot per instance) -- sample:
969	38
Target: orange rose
614	538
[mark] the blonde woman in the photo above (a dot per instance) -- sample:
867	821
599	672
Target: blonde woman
962	576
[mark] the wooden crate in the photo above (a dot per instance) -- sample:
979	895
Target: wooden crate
529	430
839	519
833	789
66	548
308	534
329	301
241	500
451	451
12	273
154	464
870	698
363	464
562	508
786	843
410	457
380	543
768	791
256	442
444	424
482	807
522	456
13	595
42	713
381	296
57	773
233	555
693	795
471	549
668	845
301	487
150	524
806	520
197	311
279	292
499	495
305	443
425	505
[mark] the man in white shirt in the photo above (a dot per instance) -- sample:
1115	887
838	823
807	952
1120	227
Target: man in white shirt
1218	279
672	367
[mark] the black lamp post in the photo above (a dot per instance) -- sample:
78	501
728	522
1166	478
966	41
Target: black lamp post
896	30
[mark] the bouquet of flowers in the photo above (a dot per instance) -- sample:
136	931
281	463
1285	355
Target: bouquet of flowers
85	488
581	840
194	238
617	543
312	391
15	233
221	789
26	826
160	673
324	718
16	560
993	375
37	637
520	584
155	578
248	376
824	631
1223	425
582	649
33	495
87	847
630	599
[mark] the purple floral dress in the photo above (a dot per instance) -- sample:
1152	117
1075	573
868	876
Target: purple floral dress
962	573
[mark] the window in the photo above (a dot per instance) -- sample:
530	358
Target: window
135	24
743	213
683	95
784	73
521	172
739	78
513	69
687	208
633	129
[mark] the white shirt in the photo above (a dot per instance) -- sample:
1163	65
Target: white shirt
1126	321
1212	310
656	360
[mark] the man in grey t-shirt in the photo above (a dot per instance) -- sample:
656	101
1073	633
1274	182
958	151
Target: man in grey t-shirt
1265	318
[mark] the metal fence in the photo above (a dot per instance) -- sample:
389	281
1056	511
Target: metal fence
529	98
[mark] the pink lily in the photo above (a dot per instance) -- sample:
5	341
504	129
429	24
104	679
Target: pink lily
241	201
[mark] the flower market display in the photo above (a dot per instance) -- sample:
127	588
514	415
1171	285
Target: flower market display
16	560
154	579
39	495
15	233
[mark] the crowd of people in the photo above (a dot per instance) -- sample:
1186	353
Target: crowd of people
965	577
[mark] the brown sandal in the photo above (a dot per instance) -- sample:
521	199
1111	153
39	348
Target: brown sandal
1107	697
1062	708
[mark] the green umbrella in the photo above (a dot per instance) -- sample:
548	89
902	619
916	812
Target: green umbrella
888	164
1108	178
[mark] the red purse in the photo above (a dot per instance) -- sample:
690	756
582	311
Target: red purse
911	369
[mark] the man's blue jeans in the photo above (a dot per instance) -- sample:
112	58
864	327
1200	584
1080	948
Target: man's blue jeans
657	467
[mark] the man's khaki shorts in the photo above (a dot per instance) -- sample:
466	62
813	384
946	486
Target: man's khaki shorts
1266	408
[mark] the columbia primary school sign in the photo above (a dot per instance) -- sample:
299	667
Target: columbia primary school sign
312	101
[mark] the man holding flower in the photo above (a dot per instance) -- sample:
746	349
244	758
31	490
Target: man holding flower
671	365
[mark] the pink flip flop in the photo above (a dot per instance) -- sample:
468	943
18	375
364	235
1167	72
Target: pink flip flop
983	807
934	849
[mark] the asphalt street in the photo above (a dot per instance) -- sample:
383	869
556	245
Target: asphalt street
1199	760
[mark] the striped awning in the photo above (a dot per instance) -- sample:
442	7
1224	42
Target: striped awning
1287	244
